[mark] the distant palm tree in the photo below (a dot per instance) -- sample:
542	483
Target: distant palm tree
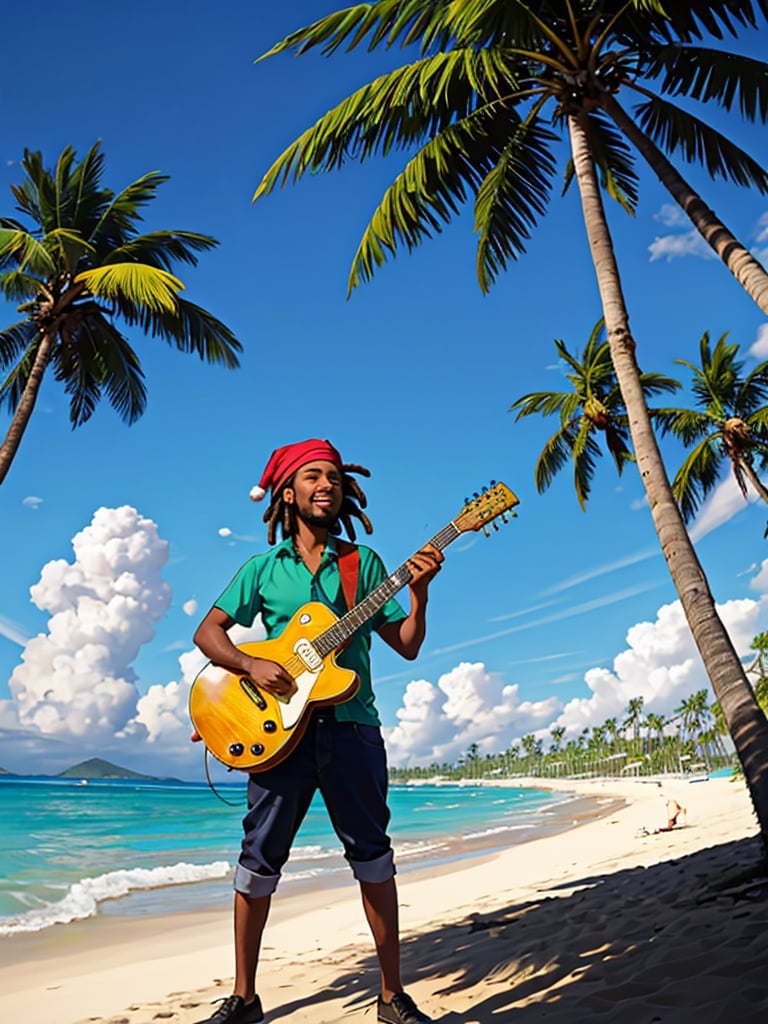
633	714
556	732
594	408
81	267
728	426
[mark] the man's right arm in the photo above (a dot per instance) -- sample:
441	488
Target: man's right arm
212	638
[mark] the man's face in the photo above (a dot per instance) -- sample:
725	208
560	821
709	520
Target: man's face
316	493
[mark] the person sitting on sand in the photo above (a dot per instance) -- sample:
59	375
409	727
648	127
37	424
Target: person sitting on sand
674	810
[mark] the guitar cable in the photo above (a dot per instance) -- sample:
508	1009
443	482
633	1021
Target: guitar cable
211	785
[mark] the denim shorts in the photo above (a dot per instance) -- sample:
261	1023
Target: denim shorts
347	762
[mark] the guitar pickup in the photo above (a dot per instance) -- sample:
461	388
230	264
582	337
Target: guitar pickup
251	690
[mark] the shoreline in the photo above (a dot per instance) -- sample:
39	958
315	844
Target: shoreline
480	932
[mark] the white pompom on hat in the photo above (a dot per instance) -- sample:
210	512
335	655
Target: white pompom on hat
283	463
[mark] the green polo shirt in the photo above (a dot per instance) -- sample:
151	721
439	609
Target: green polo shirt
277	583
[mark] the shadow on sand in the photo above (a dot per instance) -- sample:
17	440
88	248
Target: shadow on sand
682	941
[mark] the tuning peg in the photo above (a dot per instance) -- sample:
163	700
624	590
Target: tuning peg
493	483
504	517
495	525
486	531
475	495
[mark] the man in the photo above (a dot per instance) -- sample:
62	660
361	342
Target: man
341	752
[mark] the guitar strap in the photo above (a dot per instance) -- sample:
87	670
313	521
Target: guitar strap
349	570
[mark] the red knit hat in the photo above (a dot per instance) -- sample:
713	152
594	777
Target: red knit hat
283	462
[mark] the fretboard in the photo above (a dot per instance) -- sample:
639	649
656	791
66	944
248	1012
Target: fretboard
344	627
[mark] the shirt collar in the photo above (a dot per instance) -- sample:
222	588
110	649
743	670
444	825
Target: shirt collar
285	549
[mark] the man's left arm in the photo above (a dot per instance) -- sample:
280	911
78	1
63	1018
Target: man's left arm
407	635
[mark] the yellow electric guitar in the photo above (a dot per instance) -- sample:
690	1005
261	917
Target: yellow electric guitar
245	727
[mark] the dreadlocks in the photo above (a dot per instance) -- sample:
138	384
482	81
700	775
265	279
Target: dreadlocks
353	503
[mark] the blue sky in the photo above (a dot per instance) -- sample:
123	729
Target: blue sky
561	616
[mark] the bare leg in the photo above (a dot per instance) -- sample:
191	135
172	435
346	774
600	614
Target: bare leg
250	918
381	910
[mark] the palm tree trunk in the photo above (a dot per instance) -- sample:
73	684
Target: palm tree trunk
24	409
748	471
746	722
750	274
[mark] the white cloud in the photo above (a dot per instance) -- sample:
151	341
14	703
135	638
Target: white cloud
688	243
12	631
75	692
76	679
471	705
661	664
32	502
671	216
225	532
189	607
723	504
468	705
759	347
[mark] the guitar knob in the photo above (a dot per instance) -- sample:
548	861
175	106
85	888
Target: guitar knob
257	749
270	726
236	749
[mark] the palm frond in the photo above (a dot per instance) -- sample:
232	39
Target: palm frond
674	129
120	213
382	23
70	246
585	453
99	361
555	454
614	160
545	403
432	186
697	476
16	286
21	249
191	329
139	285
689	425
12	388
15	340
708	75
513	195
162	249
616	443
399	109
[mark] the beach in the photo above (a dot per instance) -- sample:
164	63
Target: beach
609	920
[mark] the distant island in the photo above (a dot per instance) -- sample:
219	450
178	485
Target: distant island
97	768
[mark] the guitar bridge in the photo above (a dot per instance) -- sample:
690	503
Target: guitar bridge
251	690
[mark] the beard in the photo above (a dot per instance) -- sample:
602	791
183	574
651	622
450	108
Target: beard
318	517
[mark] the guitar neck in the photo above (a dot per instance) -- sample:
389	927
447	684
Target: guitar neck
342	629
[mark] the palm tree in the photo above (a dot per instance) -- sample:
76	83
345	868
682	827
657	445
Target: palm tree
728	425
633	712
472	106
79	269
594	408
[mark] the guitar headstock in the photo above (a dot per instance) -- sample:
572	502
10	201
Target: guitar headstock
484	508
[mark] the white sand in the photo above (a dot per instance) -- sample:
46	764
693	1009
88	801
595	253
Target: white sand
599	923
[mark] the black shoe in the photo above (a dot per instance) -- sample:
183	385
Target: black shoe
402	1010
234	1011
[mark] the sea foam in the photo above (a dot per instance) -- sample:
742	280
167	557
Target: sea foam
83	898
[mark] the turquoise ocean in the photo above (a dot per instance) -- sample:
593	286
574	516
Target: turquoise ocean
71	849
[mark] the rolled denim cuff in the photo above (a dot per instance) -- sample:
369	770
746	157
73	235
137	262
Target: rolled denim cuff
250	884
379	870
